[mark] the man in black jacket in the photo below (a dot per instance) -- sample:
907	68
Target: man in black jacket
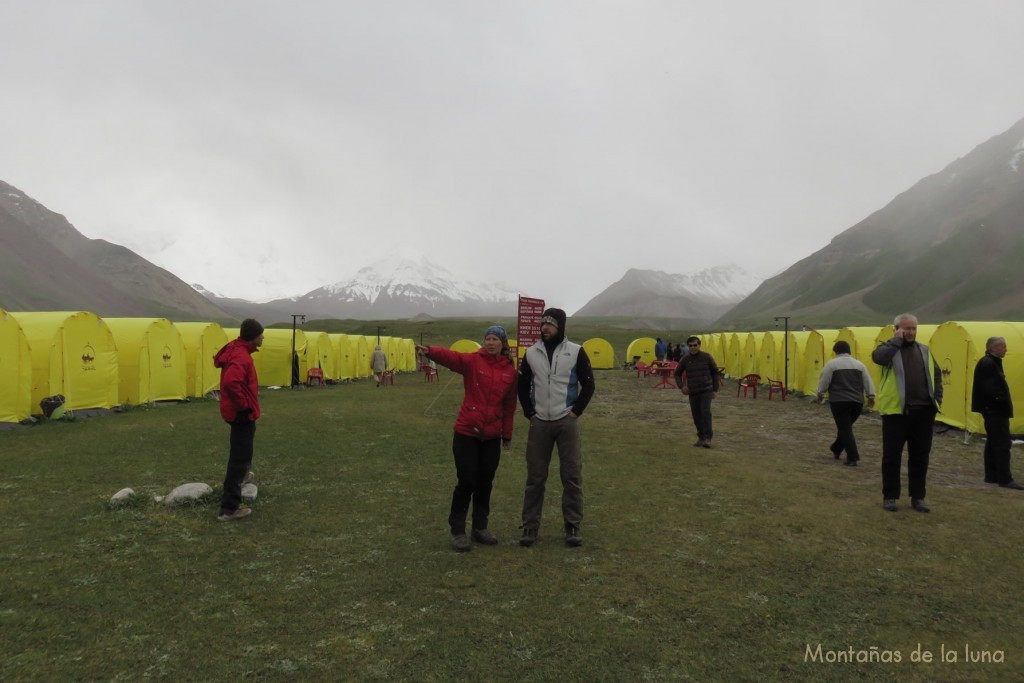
991	397
701	385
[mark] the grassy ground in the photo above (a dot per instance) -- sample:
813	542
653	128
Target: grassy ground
728	564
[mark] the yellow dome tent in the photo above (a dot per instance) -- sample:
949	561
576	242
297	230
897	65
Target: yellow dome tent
817	351
465	346
15	371
734	354
73	354
750	354
274	358
957	347
797	344
345	355
363	348
320	353
641	349
151	360
600	353
202	342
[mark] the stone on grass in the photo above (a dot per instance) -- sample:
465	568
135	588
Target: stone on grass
188	493
249	491
123	497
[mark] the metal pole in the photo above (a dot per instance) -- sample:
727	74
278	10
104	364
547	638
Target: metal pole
291	362
785	379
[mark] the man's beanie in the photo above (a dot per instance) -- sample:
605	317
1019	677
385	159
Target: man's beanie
841	347
555	316
250	329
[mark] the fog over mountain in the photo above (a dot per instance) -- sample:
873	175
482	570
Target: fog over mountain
948	248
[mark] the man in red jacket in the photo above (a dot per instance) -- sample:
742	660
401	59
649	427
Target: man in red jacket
240	408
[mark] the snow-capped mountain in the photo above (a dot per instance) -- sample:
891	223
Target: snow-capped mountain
403	289
697	297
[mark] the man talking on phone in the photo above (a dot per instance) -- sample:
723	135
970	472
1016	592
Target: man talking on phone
909	396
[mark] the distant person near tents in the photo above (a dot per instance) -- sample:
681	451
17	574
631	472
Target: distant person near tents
909	397
700	386
482	429
240	408
846	380
660	349
990	396
378	363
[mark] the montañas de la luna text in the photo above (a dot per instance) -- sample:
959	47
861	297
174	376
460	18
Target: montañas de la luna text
875	654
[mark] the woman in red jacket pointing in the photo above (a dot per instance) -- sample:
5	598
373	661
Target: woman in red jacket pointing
482	429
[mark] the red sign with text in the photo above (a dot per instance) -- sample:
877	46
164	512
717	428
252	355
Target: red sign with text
530	313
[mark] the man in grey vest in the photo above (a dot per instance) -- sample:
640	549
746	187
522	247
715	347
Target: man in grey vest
556	383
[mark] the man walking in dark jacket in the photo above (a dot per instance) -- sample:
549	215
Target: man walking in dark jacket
701	385
991	397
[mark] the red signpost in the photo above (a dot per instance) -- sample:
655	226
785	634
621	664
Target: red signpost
528	332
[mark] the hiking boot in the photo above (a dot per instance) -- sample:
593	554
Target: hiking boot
484	537
707	443
698	443
248	478
919	505
889	504
851	463
461	544
528	538
240	513
572	536
1013	485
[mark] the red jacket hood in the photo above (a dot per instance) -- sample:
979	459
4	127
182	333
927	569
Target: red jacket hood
232	351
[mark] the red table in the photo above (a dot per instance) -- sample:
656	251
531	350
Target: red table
664	372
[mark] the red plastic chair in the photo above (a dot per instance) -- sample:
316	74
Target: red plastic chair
775	387
429	373
643	369
748	382
315	377
387	377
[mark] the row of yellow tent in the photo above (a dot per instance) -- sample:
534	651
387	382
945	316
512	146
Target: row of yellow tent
104	362
956	347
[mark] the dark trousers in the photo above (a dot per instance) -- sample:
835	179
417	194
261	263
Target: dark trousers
476	462
845	413
997	449
915	431
700	409
540	444
239	463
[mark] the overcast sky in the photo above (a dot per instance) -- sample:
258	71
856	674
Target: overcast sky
268	148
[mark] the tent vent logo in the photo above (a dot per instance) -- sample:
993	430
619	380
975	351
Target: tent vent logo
88	357
947	370
167	357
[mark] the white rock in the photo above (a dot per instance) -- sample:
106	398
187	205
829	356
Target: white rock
187	493
122	496
249	491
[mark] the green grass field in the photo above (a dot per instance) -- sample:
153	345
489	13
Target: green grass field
731	564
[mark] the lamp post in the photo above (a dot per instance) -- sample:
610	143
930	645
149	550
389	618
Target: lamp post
295	365
785	379
379	330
